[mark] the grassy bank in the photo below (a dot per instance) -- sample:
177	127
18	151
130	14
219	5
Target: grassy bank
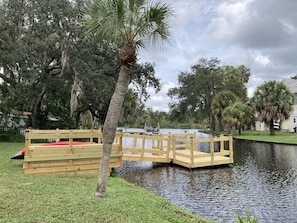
49	198
264	136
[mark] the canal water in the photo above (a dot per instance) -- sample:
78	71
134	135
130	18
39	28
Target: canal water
263	181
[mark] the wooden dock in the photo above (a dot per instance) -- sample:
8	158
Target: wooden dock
183	149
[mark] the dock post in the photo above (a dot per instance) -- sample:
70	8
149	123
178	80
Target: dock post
231	149
57	135
91	136
120	142
222	144
192	151
70	149
27	151
143	145
211	144
173	148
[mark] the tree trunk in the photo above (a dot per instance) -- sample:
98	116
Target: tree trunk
229	129
271	127
220	123
75	88
239	128
37	109
110	126
213	122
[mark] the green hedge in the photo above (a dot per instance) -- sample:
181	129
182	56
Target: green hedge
11	135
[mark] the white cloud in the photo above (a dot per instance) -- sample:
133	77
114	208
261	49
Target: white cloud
253	83
231	15
288	26
262	60
160	101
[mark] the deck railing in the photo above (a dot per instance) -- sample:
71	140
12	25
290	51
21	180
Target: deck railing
70	157
193	157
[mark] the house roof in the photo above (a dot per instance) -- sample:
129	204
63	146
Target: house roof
291	84
20	113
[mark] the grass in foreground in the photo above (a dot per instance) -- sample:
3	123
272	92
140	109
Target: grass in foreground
264	136
50	198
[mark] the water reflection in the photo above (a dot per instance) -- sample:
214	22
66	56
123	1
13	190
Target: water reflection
263	180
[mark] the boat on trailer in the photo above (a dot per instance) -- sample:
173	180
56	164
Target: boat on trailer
150	129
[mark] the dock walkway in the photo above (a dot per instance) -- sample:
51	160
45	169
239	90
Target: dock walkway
181	149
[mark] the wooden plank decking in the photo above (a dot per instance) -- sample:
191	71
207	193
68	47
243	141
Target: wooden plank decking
201	159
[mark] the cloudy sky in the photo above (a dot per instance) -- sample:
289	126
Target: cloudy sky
260	34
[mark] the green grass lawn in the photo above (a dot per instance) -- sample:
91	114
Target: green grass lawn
279	137
50	198
264	136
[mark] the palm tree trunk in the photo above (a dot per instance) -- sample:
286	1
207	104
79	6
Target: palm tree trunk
110	126
220	123
213	122
271	127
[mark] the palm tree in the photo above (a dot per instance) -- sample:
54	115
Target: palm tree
238	114
130	24
273	102
221	101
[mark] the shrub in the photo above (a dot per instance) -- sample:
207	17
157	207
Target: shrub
248	218
11	135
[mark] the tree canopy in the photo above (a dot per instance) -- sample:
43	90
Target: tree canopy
52	69
197	89
238	115
221	101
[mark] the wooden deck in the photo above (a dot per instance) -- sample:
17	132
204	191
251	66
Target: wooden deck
183	149
200	159
179	149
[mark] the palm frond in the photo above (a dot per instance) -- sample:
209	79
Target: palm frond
135	21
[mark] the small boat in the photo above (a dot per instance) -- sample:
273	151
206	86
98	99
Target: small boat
21	154
156	129
149	128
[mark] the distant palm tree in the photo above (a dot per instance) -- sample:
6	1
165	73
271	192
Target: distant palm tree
130	24
273	102
238	114
221	101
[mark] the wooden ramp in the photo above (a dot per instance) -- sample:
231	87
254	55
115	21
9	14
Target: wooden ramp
152	148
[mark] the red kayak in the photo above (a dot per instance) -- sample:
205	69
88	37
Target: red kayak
21	154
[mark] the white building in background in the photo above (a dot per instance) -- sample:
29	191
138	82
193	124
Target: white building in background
14	119
289	125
